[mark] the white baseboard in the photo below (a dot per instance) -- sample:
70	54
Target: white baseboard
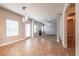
11	42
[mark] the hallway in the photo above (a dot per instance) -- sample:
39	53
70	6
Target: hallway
40	46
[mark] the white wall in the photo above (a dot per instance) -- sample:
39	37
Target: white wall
50	29
77	29
39	26
62	27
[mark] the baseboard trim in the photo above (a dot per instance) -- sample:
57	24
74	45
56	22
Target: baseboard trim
11	42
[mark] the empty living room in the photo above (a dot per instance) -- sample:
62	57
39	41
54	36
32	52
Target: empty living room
39	29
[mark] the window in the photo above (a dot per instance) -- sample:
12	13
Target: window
34	28
12	28
28	30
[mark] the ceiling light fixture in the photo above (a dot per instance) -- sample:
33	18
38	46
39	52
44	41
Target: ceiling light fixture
26	17
25	8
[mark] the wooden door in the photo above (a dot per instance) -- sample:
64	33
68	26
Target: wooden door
71	30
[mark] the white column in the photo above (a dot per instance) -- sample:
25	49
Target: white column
58	40
32	29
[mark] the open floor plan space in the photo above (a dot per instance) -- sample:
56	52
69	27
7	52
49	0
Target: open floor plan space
39	29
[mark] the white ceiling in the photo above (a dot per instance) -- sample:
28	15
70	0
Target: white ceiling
42	12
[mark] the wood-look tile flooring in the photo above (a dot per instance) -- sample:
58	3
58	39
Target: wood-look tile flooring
40	46
71	47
